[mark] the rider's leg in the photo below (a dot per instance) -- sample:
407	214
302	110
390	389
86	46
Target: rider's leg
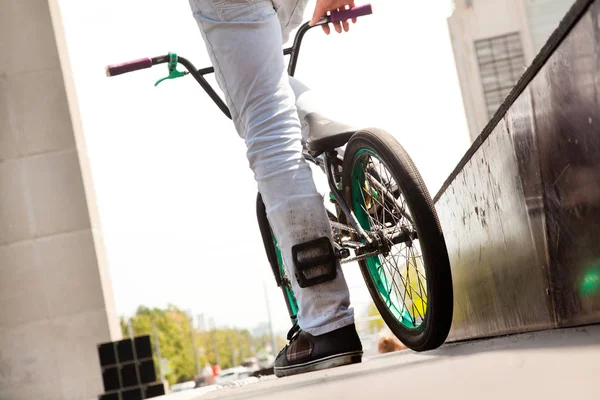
290	14
244	41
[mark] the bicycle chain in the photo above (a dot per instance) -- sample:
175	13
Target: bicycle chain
342	227
347	228
359	258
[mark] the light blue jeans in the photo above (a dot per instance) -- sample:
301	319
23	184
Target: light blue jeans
244	39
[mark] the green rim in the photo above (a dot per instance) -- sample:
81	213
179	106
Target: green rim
412	315
288	291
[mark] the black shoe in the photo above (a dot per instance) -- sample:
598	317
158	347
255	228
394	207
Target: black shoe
307	353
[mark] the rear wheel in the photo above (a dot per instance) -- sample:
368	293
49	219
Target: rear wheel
410	281
276	259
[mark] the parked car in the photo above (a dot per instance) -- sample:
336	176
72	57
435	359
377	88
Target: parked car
233	374
180	387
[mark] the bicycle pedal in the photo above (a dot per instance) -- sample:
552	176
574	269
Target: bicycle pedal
314	262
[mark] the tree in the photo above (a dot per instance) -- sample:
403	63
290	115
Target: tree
175	339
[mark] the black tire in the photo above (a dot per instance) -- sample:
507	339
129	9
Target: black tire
435	324
271	252
267	238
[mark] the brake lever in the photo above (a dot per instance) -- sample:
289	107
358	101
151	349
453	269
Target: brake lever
173	72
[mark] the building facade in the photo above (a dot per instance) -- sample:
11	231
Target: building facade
494	41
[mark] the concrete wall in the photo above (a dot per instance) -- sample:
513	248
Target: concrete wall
55	293
521	212
482	19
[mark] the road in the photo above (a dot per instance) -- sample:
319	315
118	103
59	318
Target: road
557	364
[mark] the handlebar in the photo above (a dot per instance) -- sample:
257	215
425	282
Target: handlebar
344	15
130	66
143	63
172	59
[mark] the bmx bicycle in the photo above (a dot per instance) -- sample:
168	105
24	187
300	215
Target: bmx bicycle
384	217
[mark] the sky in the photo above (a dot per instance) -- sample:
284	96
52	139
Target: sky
175	194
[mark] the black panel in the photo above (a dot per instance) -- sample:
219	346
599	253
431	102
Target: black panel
125	350
143	347
155	390
110	378
129	375
106	353
132	394
111	396
146	371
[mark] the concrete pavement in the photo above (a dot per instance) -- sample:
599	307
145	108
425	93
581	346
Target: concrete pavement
558	364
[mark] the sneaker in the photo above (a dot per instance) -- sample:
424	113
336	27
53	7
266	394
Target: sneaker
307	353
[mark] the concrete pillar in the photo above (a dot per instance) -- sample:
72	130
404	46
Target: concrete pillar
55	296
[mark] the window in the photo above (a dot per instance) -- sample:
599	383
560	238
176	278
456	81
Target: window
501	64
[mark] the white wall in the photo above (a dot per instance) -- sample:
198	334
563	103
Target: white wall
55	296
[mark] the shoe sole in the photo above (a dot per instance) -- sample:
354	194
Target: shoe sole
337	360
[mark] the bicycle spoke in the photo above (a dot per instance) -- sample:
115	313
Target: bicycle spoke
394	285
386	211
408	250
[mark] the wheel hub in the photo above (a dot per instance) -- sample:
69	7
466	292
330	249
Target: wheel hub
380	243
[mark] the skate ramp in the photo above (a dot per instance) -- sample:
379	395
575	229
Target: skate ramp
521	211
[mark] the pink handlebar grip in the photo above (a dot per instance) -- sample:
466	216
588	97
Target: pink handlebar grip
339	16
130	66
